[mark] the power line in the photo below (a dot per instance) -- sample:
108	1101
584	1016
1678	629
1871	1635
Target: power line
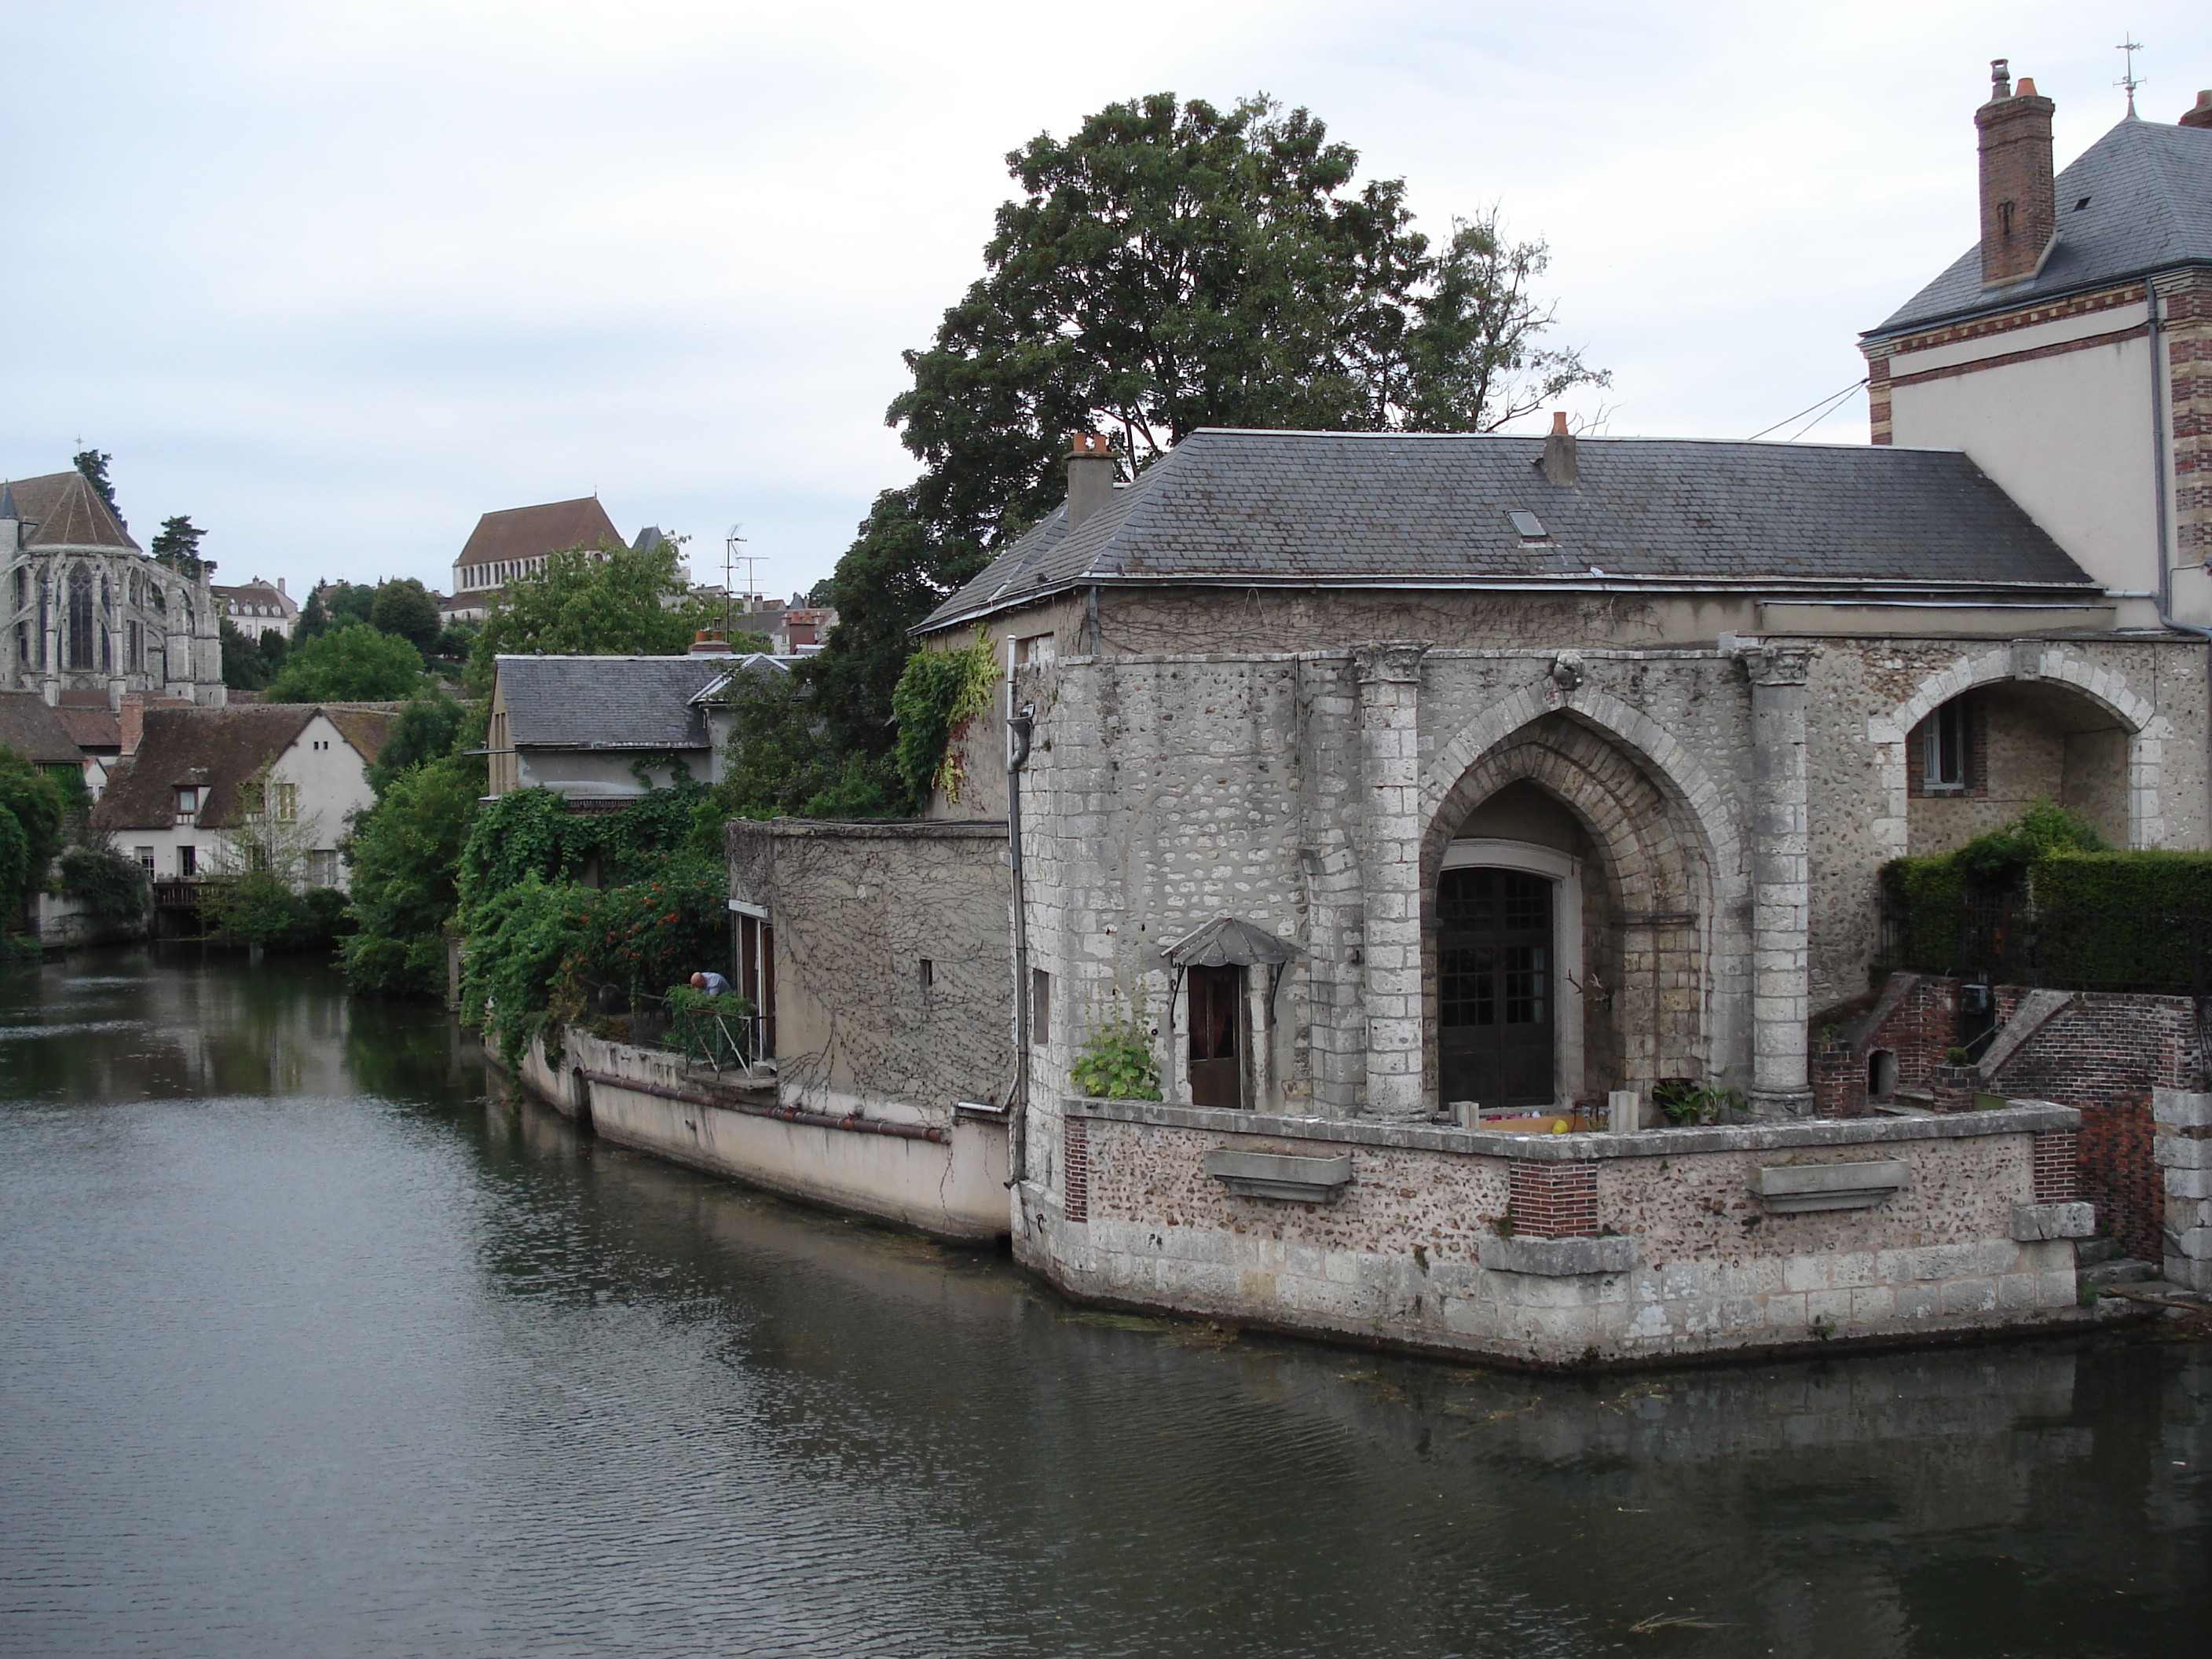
1823	405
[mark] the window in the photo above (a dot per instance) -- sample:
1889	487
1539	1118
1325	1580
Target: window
1529	526
1039	1007
285	802
323	867
1217	1035
188	860
145	857
1037	648
188	800
1943	748
929	973
80	640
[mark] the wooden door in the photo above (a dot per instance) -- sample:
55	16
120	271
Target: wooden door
1495	1002
1217	1035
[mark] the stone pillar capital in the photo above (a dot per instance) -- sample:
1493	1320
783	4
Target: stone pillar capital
1390	661
1777	664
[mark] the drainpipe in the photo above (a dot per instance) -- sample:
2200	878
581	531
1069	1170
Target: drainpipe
1017	1104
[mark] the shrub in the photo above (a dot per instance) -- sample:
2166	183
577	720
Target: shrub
1116	1063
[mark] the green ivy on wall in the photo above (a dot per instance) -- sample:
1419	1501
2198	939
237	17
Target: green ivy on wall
937	694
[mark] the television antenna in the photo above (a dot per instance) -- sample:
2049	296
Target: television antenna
731	557
2130	45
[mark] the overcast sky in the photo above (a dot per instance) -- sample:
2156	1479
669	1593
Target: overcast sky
334	279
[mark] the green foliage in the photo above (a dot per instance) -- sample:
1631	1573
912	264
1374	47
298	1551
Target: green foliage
2152	880
591	602
519	939
1116	1063
314	618
429	728
455	642
350	602
780	764
94	464
717	1029
1680	1101
651	931
1933	888
1172	265
404	607
259	907
178	546
32	809
405	853
939	692
117	887
348	664
248	663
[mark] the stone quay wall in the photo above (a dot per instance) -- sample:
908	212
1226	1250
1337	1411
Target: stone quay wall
1699	1242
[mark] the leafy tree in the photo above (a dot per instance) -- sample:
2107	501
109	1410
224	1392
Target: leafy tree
780	765
1171	266
178	546
351	663
31	811
429	728
314	616
454	644
246	665
350	602
404	854
404	607
94	464
604	601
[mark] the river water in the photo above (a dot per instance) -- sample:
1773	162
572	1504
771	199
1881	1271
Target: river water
308	1347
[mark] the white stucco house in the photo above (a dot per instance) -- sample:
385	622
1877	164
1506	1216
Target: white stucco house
176	803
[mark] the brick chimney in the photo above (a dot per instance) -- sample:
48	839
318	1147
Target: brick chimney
2020	210
131	721
709	642
1090	476
2201	115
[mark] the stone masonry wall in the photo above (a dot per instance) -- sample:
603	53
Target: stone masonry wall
1682	1258
857	910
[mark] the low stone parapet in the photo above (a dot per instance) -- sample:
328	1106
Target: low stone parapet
1569	1248
2182	1147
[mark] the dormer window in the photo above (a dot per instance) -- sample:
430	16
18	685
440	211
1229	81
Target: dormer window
188	799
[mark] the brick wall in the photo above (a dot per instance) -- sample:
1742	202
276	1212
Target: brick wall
2119	1175
1553	1201
1075	1175
2057	1171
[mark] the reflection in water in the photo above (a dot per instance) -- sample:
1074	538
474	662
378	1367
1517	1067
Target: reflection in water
311	1349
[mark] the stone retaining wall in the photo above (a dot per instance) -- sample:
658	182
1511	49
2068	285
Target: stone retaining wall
1704	1241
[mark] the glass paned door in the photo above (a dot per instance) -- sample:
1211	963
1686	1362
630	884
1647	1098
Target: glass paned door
1494	987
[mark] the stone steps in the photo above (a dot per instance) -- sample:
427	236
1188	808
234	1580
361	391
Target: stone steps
2120	1270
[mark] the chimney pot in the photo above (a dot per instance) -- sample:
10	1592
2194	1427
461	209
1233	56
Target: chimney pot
2000	77
1090	476
1558	424
2027	87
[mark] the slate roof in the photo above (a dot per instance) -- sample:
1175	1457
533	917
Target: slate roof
2148	187
527	532
68	512
1392	509
36	731
218	749
606	703
260	593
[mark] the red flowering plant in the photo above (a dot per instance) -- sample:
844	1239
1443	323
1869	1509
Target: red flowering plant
656	932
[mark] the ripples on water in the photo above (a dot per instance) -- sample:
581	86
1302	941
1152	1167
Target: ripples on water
309	1349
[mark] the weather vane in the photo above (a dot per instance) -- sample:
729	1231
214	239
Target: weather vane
2130	47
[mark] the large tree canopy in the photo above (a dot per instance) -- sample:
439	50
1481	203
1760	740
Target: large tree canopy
350	664
1171	266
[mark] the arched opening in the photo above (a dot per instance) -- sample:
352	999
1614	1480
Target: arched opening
1979	759
1566	945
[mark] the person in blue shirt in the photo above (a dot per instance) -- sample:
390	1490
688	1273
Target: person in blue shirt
712	983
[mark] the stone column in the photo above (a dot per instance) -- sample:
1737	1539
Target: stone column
1390	874
1781	882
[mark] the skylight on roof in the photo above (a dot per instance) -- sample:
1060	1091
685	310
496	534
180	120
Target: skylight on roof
1530	526
2079	205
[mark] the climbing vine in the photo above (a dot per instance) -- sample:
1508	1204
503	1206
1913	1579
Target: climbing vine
937	694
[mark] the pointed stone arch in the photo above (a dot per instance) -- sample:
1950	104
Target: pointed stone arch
1670	877
2027	662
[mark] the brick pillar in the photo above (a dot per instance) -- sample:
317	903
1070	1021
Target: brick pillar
1780	881
2185	309
1390	874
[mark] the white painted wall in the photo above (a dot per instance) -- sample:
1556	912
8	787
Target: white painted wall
2068	437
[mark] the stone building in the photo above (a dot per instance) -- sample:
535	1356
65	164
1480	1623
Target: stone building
516	541
90	611
259	607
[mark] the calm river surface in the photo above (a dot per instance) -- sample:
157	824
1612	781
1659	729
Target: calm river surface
308	1348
